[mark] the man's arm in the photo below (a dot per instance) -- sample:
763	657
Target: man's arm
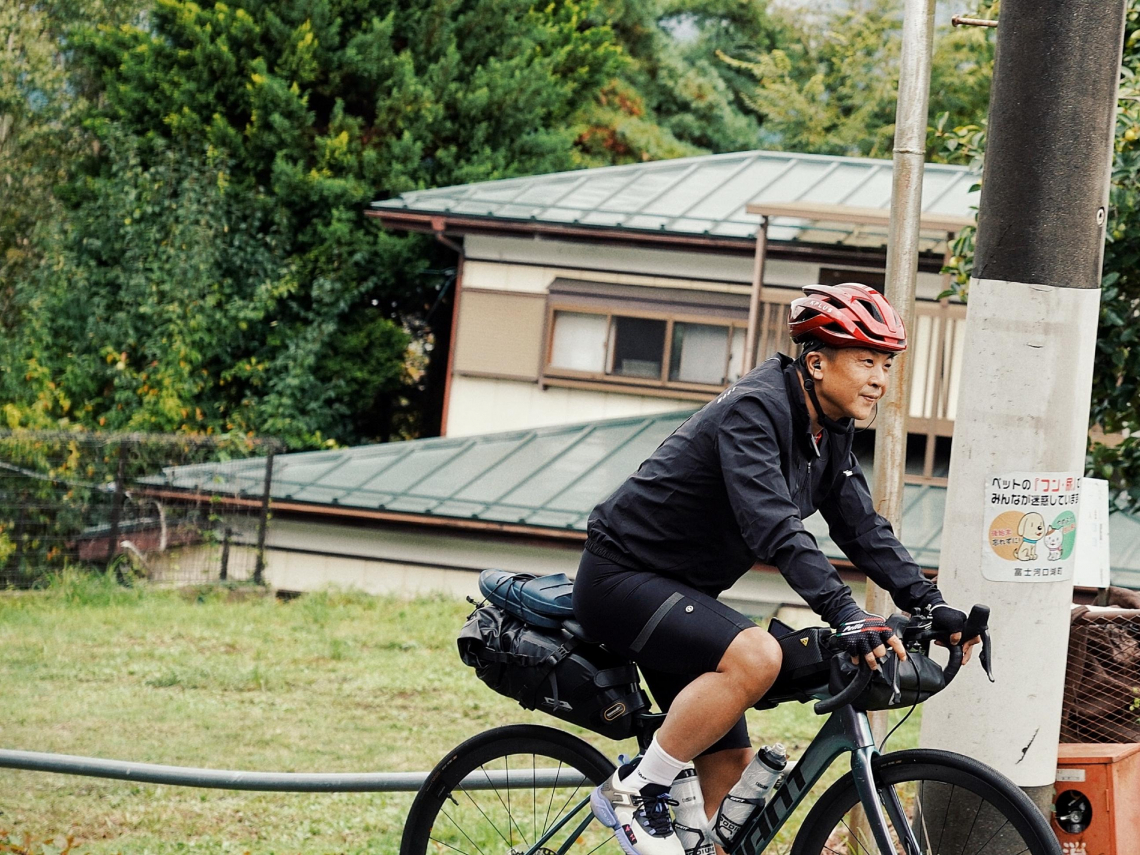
869	541
768	518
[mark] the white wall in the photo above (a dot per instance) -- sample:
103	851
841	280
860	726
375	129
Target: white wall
484	405
411	562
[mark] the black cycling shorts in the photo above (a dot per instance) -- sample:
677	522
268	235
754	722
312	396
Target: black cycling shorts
673	631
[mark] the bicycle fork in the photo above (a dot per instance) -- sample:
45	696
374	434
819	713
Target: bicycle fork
874	796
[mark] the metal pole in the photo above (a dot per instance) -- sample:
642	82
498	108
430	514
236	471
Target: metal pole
752	335
282	782
263	522
1027	371
117	503
902	270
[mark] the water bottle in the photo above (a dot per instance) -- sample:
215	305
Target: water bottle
748	794
691	824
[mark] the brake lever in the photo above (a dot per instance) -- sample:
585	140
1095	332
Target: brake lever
978	624
984	657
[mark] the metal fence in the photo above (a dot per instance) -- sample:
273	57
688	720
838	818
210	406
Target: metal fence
102	501
1102	680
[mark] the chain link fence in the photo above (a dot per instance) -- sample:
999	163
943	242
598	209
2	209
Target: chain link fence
107	501
1102	679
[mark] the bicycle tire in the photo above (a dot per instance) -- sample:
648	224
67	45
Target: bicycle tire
827	828
432	827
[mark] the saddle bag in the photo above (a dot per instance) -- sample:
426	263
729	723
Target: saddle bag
546	667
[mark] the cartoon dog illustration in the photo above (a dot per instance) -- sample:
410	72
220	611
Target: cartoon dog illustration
1031	528
1053	539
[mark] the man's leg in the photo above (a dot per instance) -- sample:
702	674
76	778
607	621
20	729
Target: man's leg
707	708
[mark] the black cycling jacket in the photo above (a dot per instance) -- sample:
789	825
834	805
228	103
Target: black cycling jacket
732	486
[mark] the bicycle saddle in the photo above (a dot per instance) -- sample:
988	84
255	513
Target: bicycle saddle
540	600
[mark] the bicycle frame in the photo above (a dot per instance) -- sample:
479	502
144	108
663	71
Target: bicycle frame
846	730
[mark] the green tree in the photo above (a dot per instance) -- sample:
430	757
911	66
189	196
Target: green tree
832	89
219	228
674	97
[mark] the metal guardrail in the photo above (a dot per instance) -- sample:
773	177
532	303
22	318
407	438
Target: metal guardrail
284	782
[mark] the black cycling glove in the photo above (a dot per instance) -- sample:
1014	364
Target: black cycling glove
863	633
943	618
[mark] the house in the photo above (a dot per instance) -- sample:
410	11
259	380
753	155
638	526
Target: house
642	289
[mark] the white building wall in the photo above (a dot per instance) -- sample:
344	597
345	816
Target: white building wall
484	405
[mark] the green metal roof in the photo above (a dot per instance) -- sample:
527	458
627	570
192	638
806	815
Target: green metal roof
542	479
704	196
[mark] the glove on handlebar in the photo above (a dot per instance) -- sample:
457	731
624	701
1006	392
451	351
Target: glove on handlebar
943	618
863	633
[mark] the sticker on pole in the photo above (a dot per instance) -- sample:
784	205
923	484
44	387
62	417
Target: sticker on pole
1031	526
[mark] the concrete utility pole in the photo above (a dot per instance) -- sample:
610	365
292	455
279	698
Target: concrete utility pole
1027	374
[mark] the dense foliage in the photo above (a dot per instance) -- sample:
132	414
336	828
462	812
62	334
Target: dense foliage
830	89
183	244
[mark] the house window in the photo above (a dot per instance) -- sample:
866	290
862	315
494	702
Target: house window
638	347
579	342
672	352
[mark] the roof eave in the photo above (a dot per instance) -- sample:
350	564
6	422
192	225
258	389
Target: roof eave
440	223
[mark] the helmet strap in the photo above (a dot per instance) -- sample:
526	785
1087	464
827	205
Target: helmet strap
824	420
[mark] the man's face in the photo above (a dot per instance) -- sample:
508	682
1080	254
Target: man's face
851	382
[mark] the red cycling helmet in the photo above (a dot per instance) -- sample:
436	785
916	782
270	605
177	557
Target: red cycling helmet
847	315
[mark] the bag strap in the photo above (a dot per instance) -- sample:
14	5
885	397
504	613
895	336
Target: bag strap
549	663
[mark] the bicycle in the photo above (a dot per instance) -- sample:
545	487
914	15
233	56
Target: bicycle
908	797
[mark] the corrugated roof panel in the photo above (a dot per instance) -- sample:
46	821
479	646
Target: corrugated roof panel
728	200
528	461
839	183
467	466
692	186
411	469
593	444
789	186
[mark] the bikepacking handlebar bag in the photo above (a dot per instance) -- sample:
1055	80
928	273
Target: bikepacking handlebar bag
896	684
550	670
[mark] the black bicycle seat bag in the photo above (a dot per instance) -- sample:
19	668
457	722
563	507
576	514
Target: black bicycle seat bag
551	670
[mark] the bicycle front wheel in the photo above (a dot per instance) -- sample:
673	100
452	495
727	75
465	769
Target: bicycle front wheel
953	805
510	791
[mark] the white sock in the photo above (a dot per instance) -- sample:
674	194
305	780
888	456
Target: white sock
656	767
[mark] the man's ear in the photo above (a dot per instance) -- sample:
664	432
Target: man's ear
815	365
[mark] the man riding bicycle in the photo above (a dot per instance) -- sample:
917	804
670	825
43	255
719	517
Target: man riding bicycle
729	488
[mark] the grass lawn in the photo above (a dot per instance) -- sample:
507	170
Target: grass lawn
327	682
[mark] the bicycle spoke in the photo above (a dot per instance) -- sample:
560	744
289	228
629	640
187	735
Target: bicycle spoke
604	842
533	797
507	770
505	804
546	819
489	820
991	838
855	837
448	845
459	828
945	818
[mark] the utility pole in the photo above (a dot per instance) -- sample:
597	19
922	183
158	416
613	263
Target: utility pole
1027	375
909	161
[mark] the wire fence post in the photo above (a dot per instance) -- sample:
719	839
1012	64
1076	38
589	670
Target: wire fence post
224	572
263	523
117	504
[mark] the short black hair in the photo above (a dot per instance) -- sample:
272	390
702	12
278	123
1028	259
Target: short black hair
812	345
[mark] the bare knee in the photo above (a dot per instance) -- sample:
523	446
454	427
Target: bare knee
753	660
